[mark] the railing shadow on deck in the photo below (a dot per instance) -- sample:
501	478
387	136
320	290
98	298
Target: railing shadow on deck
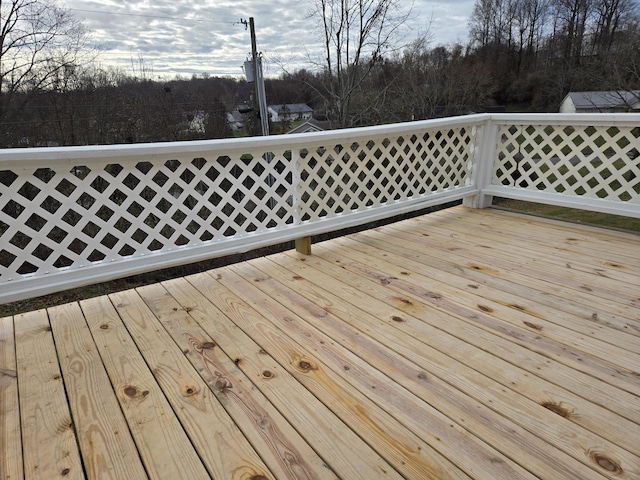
73	216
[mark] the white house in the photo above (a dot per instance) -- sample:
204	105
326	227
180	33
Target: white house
290	112
601	102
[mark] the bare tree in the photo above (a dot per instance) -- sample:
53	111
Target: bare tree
516	24
438	82
530	23
480	23
572	17
356	35
39	41
611	17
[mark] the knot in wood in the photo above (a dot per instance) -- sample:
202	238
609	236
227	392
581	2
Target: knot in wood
557	408
606	463
130	391
222	384
189	390
306	366
535	326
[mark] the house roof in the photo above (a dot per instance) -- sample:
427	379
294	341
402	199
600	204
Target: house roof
291	108
605	99
311	125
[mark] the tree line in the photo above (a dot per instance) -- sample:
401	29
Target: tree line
105	106
521	55
538	50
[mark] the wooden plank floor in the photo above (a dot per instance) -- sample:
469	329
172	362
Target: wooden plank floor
462	344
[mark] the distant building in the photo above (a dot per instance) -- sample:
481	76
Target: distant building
312	125
234	120
601	102
290	112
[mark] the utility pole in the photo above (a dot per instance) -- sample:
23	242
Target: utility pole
261	96
259	81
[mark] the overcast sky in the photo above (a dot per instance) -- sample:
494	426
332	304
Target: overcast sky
187	37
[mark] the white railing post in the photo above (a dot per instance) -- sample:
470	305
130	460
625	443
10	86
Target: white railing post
482	168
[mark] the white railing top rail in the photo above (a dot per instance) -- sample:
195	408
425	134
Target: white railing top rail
54	156
575	119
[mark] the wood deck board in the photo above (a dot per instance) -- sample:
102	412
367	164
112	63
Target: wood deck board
422	322
512	292
162	443
536	261
10	436
345	453
100	426
48	442
462	344
497	256
223	449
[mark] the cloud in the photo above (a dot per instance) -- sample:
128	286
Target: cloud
197	36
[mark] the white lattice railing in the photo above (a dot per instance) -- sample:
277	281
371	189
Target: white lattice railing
74	216
583	161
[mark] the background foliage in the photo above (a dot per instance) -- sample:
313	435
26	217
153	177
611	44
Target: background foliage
521	55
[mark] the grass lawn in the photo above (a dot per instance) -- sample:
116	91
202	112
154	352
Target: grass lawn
571	214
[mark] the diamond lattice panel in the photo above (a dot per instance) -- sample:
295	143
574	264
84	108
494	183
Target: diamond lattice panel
342	178
597	162
54	219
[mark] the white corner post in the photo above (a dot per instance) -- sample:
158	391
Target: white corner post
482	168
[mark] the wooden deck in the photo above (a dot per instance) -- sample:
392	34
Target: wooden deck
462	344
